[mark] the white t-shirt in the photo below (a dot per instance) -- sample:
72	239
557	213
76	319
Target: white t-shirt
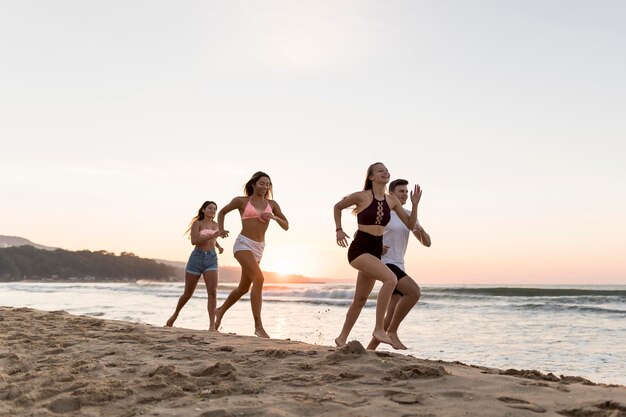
396	236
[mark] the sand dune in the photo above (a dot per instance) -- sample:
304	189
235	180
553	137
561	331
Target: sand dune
54	363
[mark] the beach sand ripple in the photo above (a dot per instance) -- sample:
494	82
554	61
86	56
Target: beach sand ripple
57	364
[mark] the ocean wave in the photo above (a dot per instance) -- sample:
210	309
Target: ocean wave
526	292
315	293
568	308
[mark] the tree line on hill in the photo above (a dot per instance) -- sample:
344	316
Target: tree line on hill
26	262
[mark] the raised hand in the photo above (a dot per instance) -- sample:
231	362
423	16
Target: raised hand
416	194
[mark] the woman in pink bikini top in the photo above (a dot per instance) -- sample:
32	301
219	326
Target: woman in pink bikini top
250	212
256	209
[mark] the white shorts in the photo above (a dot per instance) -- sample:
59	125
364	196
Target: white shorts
245	243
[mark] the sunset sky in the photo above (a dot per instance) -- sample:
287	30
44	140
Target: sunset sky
119	118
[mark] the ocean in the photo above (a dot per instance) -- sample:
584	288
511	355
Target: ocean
566	330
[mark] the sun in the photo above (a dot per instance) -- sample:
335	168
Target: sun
283	267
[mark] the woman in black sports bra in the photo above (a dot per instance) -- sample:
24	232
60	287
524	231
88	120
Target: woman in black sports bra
373	210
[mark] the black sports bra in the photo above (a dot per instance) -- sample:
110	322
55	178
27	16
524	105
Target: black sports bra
378	213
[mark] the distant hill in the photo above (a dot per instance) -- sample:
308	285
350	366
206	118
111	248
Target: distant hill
233	274
9	241
27	262
174	269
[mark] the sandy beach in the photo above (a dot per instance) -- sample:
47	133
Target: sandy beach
54	363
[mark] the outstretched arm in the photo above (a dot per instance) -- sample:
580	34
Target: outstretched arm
409	221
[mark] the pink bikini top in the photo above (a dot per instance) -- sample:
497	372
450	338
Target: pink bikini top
205	232
250	212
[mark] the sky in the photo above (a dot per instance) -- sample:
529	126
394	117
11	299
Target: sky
118	119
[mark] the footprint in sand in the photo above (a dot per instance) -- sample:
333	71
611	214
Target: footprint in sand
457	394
64	405
298	380
605	409
282	353
344	376
217	413
220	370
416	372
405	398
522	404
226	349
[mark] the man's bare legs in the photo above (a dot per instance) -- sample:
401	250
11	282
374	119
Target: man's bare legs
410	296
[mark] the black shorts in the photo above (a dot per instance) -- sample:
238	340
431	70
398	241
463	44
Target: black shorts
365	243
399	274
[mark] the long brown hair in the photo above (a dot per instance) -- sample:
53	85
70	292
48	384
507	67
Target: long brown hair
370	171
200	215
368	183
248	189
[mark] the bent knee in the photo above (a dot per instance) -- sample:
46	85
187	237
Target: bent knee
243	289
258	280
389	279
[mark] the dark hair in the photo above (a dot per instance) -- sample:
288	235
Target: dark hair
249	190
395	183
370	171
200	215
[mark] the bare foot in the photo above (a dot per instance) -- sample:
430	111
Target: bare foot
212	328
381	336
261	333
218	318
373	344
395	342
171	321
340	342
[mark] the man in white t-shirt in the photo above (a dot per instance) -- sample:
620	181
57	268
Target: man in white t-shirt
395	242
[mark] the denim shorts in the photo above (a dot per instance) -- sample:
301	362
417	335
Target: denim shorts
201	261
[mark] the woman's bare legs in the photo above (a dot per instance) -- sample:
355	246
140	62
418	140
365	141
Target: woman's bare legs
233	297
373	267
190	286
250	266
250	275
210	280
364	286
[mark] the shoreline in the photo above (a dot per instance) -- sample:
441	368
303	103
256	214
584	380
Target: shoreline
55	363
